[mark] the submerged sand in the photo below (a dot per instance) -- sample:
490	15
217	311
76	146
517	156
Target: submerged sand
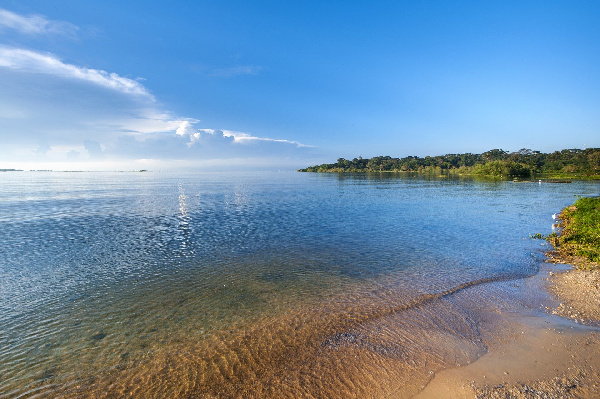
504	338
554	355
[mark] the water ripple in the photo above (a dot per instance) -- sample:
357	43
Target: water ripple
137	275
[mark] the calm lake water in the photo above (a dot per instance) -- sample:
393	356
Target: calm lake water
252	284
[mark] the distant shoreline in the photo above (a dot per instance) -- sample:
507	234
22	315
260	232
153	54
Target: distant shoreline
565	164
536	178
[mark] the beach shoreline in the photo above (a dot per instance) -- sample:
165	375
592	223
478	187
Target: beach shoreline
553	356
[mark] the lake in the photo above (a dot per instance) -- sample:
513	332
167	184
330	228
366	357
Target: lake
252	284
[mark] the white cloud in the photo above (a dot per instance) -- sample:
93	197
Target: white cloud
35	24
54	112
186	128
144	121
240	137
237	70
35	62
56	153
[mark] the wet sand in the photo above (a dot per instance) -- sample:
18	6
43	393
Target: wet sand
548	355
579	293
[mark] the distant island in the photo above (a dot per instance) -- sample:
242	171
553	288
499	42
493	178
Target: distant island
573	163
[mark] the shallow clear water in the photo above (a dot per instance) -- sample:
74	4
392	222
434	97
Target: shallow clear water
250	284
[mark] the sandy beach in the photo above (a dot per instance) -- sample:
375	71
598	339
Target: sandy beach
550	355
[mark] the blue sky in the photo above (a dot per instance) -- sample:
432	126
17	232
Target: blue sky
281	85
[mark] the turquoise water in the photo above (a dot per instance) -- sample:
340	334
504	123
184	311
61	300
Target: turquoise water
224	284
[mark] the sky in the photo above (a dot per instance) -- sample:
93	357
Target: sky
280	85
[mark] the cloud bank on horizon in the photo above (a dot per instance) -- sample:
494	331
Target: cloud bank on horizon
54	113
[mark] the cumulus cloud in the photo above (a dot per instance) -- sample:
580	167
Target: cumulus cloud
203	144
187	129
93	148
144	121
34	62
35	24
210	138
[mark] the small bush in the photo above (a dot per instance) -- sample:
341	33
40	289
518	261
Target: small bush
580	234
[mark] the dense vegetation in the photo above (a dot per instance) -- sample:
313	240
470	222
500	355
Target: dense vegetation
580	233
495	162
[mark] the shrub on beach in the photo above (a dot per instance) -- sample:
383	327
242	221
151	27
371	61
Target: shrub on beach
580	232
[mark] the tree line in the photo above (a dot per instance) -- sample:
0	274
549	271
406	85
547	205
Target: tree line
497	162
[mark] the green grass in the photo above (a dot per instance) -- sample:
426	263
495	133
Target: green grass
580	232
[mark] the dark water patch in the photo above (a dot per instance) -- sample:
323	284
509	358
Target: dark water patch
98	337
47	375
360	340
274	277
